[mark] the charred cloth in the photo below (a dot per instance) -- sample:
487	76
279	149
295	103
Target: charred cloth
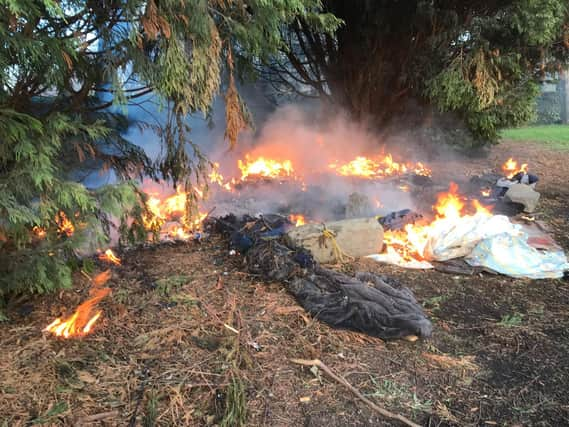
369	303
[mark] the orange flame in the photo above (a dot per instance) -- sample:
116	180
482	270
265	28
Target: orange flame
172	208
510	168
449	205
360	166
39	232
214	176
81	322
64	225
264	168
450	210
297	219
178	232
110	256
486	192
379	167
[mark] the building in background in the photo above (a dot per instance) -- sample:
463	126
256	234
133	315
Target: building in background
564	89
553	103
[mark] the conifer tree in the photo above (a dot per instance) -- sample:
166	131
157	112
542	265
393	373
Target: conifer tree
64	64
481	61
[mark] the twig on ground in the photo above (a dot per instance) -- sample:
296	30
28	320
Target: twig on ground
139	396
208	213
318	363
98	417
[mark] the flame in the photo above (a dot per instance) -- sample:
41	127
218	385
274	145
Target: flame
110	256
481	209
153	219
510	168
264	168
64	226
81	322
172	208
379	167
360	166
215	177
450	210
449	205
39	232
297	219
486	192
178	232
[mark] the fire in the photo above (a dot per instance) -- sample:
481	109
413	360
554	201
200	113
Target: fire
510	168
110	256
360	166
450	210
153	219
214	176
264	168
39	232
379	167
64	226
172	208
481	209
178	232
297	219
81	322
486	192
449	205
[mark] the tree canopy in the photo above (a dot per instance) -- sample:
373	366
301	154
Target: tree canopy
64	63
481	60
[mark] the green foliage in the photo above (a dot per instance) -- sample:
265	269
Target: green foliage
36	253
151	412
235	404
167	286
401	395
491	74
393	61
65	67
511	320
58	408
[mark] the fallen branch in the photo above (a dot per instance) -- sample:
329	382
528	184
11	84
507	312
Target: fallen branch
384	412
139	396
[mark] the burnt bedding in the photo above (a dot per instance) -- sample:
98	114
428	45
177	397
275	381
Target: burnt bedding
369	303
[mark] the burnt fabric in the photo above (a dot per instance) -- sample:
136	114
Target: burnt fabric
369	303
398	220
365	303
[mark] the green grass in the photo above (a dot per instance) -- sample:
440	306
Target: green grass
554	136
511	320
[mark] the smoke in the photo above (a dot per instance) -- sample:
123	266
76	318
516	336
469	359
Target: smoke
311	140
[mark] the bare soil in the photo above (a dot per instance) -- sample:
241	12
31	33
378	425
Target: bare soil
185	328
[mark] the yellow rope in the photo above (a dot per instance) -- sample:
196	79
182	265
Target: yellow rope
339	254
